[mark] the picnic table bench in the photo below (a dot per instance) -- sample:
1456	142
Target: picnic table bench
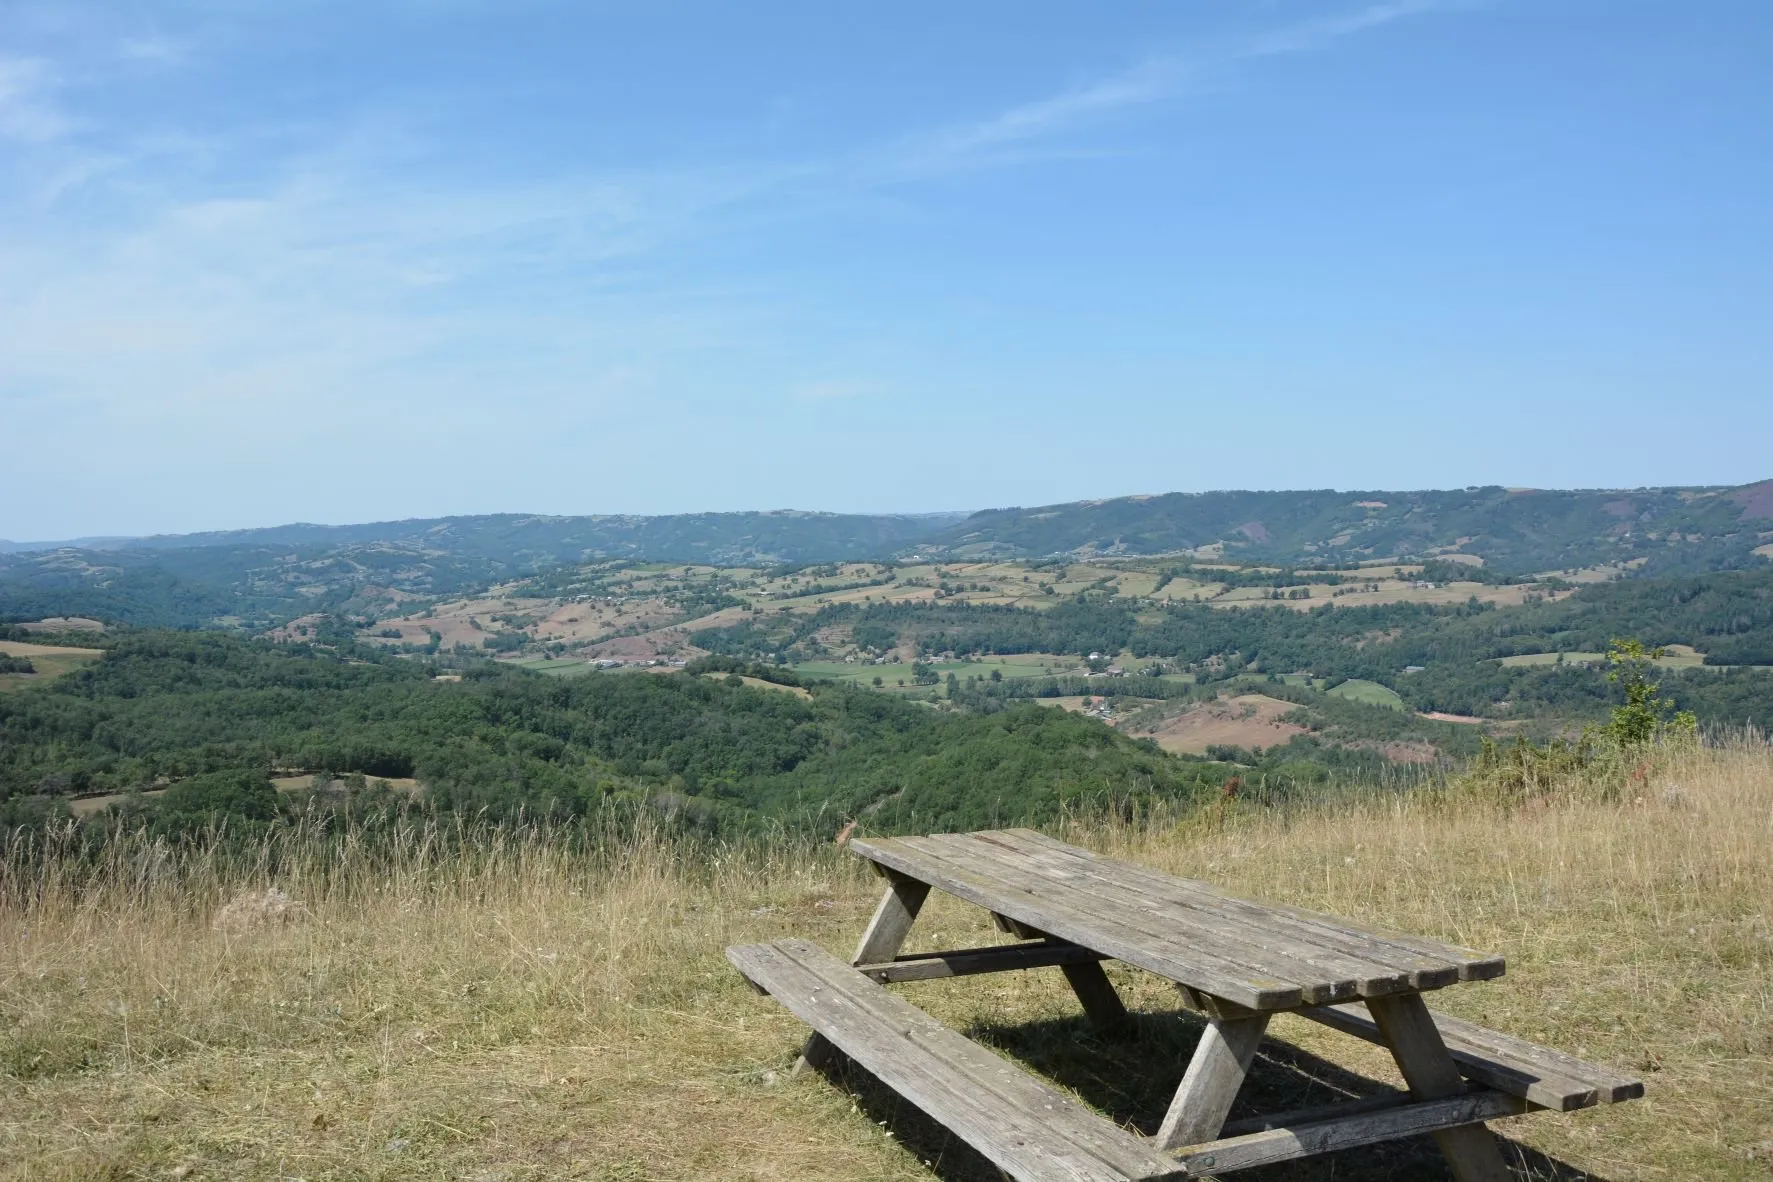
1238	962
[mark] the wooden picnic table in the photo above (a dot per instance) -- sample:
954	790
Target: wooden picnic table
1237	961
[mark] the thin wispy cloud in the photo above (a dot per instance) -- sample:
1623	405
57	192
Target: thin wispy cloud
1311	35
1144	83
1159	78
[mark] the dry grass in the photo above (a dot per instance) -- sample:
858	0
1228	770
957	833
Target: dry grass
514	1010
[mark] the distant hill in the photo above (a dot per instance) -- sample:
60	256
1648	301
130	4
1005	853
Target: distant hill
520	539
259	575
1514	530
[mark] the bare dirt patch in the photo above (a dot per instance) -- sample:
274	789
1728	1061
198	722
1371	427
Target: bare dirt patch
1756	499
1249	720
300	628
86	806
1442	716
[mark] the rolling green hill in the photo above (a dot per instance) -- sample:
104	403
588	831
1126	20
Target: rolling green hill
505	743
263	576
1512	530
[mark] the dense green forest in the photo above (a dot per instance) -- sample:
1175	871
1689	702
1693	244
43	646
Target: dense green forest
167	706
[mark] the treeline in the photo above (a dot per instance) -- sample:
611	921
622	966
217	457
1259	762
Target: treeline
170	707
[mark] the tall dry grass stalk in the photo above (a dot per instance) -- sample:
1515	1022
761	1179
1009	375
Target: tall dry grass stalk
461	1004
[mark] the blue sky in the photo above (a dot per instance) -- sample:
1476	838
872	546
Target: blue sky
345	262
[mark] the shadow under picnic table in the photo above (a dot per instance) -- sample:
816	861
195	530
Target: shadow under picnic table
1132	1077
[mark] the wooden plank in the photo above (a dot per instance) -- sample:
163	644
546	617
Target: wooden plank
1381	966
1471	964
1026	1128
984	1070
1188	941
1476	1043
897	911
1409	1031
1370	970
1429	961
1321	1112
1326	971
1215	1075
881	940
1163	957
1546	1077
965	962
1010	1082
1007	1135
1290	1142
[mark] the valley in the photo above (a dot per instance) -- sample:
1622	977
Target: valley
1351	644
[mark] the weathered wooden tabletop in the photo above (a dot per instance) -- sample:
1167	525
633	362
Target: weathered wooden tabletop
1260	956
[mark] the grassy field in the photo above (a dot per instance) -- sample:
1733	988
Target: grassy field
556	666
1553	658
50	661
1018	665
511	1010
1370	692
1674	656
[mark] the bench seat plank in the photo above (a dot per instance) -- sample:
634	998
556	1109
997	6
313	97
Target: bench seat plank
1289	1142
1539	1075
1027	1129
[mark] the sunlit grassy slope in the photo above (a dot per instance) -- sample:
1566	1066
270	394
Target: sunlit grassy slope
515	1011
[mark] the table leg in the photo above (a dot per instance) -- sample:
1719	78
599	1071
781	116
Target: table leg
882	939
1415	1042
1211	1084
1096	993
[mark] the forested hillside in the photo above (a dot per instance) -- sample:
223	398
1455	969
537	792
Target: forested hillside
1513	530
164	707
275	574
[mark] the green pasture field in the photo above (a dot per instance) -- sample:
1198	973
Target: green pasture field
558	667
1370	692
1017	665
50	661
1675	656
1552	659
